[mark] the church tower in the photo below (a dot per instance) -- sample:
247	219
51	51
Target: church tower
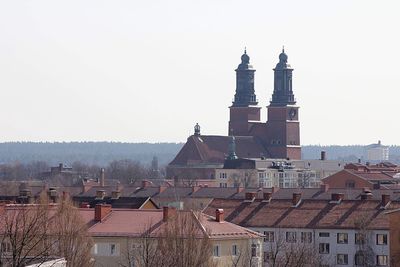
283	129
244	107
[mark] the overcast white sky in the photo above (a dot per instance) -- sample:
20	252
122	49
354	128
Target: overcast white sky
149	70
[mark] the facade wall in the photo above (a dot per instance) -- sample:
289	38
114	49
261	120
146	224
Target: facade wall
329	236
104	255
344	179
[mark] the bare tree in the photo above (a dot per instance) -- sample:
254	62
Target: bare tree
24	233
284	252
365	255
35	233
70	231
180	242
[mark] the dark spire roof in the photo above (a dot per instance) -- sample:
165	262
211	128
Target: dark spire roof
245	94
283	91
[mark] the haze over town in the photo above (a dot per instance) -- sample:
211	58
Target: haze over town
140	71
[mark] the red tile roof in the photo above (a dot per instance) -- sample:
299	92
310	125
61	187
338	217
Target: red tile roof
310	213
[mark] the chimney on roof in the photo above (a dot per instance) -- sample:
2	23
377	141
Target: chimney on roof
296	198
250	195
219	215
168	213
267	196
102	178
385	200
367	163
239	189
195	188
337	197
161	188
145	183
274	189
324	187
366	196
60	167
65	195
323	155
100	194
116	194
101	211
359	161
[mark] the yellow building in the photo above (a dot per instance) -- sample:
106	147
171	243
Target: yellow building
129	237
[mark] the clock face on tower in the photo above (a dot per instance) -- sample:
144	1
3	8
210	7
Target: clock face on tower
292	113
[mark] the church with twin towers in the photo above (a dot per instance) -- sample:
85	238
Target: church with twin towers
278	137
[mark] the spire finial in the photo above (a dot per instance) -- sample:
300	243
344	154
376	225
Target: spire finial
245	50
283	49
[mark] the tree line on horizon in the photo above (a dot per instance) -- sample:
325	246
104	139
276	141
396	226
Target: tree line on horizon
103	153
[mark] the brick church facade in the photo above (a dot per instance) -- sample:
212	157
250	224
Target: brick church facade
278	137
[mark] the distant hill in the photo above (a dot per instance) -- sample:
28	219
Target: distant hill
102	153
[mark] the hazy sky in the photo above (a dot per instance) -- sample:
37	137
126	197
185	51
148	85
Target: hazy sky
149	70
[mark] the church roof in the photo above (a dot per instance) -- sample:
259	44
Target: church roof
203	149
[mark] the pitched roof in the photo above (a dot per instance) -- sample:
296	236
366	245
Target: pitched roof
310	213
132	222
213	149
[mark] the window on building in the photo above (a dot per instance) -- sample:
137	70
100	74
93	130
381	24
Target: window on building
359	239
113	249
381	260
359	259
324	248
291	237
323	234
223	175
234	250
381	239
342	238
223	185
5	247
306	237
269	236
255	250
342	259
216	252
350	184
267	256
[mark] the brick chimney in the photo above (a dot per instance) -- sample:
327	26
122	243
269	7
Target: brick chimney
366	196
324	187
296	198
145	183
250	195
337	197
161	188
100	194
101	211
267	196
168	213
385	200
219	215
195	188
239	189
102	177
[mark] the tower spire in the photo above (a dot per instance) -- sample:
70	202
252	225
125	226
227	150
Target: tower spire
245	95
283	91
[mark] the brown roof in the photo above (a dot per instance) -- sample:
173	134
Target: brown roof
310	213
213	149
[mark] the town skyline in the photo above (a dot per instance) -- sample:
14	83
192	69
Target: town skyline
134	72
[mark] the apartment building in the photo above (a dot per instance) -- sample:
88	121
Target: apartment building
338	231
120	234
